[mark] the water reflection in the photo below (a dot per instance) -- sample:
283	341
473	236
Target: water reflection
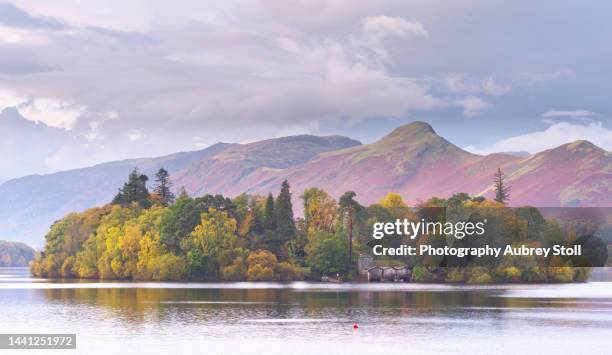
311	318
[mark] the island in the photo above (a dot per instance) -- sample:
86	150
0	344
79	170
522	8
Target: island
151	235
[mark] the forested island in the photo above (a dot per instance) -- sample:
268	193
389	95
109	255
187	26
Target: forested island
15	254
153	235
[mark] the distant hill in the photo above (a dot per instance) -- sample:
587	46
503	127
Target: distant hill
15	254
223	172
30	204
412	160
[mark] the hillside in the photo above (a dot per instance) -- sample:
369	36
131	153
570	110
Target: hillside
15	254
412	160
417	163
30	204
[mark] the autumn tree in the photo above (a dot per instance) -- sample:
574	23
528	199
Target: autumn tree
212	240
320	210
502	191
394	203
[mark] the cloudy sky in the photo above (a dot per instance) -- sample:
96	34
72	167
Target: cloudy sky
83	82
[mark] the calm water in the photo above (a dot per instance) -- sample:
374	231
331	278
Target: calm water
306	318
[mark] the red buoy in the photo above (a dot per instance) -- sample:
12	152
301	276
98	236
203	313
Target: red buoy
355	326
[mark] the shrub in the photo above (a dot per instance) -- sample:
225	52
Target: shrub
285	271
561	274
260	273
479	275
456	275
236	271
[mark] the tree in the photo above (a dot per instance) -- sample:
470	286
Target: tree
261	266
326	253
209	243
395	205
320	210
283	210
134	190
162	189
348	208
502	191
269	216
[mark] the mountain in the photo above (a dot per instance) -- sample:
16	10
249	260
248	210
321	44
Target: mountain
30	204
224	172
412	160
15	254
417	163
574	174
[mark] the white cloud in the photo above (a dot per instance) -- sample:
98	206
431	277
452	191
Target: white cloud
136	134
53	112
462	84
244	70
572	114
472	105
490	87
378	27
553	136
10	99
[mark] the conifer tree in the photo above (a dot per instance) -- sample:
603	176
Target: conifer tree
348	208
283	209
162	189
502	191
134	190
269	216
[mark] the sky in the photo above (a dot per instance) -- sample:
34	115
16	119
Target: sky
83	82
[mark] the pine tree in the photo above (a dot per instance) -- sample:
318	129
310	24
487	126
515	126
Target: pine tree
502	191
269	216
283	209
162	189
134	190
348	208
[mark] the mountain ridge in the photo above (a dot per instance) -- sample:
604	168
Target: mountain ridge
412	160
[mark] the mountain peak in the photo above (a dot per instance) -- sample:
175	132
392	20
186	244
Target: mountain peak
415	128
580	144
413	133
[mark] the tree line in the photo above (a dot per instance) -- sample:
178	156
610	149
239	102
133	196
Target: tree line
155	235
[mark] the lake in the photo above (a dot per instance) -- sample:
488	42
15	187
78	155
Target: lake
309	318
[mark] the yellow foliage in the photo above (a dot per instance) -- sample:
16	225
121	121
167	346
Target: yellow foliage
394	203
320	211
215	233
260	273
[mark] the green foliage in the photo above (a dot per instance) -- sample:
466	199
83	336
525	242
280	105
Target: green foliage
134	191
421	274
285	224
162	188
256	238
502	191
327	253
270	217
